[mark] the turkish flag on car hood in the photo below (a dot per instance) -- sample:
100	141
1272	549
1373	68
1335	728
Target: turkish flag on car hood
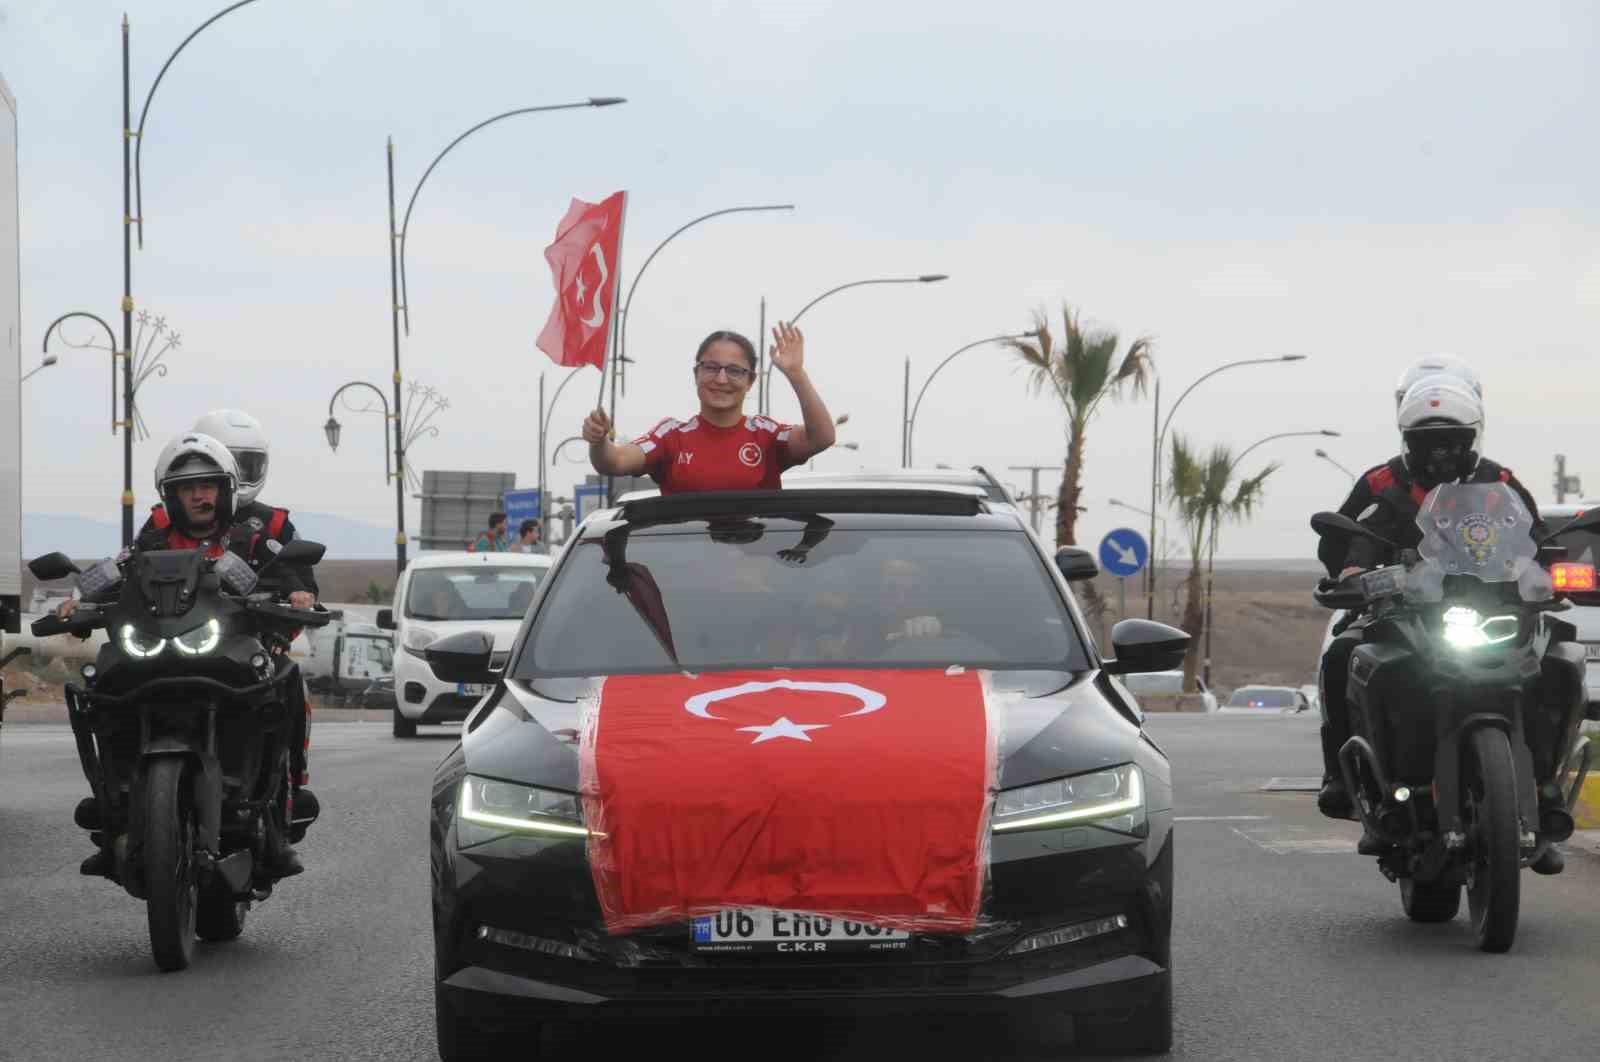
583	262
851	793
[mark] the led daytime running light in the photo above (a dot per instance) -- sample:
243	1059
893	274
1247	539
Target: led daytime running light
209	634
134	648
472	813
1131	802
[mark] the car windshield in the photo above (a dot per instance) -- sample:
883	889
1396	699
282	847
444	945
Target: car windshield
478	592
782	596
1581	545
1261	697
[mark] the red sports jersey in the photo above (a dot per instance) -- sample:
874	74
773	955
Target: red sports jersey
692	455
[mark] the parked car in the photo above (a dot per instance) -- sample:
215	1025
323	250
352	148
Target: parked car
441	594
661	807
1264	700
1168	684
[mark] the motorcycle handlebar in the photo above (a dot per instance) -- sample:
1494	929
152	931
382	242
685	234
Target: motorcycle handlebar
81	622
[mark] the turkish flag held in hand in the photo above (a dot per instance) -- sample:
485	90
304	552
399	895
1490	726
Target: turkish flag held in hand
861	794
583	262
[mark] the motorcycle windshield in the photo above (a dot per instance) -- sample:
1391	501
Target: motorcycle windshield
1481	530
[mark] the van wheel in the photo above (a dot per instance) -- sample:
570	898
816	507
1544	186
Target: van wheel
403	727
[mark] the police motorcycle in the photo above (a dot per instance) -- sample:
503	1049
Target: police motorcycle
1466	703
182	730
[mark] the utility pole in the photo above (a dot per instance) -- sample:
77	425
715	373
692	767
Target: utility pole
1565	484
1033	490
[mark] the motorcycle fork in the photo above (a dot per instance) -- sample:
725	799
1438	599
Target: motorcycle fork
207	793
1452	736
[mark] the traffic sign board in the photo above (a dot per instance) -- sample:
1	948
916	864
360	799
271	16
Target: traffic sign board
522	505
1124	552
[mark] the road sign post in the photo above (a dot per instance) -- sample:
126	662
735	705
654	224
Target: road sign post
1123	552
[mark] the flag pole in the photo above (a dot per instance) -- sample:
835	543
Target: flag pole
611	338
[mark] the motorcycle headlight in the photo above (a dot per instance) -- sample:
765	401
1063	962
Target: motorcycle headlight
139	645
199	640
1113	799
1464	628
418	639
504	807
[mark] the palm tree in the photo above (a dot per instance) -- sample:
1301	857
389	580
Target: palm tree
1082	371
1201	488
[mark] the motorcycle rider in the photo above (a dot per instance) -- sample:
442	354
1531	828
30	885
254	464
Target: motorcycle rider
1440	417
197	479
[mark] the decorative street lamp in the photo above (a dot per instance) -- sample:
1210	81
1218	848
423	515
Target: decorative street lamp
1320	453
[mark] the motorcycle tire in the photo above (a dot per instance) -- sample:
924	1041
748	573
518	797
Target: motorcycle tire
1494	878
169	869
219	917
1430	901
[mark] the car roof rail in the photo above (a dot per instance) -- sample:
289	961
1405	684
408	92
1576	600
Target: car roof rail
789	502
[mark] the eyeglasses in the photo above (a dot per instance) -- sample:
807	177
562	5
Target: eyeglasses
710	370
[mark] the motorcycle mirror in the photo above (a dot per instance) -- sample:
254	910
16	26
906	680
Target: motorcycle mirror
300	551
1337	525
53	566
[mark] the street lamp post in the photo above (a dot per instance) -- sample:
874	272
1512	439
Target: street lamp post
424	404
1158	438
1211	548
545	417
908	421
132	216
1320	453
399	291
925	278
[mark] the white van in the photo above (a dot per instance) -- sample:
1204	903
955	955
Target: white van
441	594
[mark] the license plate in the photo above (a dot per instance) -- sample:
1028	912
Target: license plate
472	689
791	932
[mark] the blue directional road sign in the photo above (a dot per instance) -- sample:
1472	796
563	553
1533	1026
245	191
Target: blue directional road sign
522	505
1124	552
587	497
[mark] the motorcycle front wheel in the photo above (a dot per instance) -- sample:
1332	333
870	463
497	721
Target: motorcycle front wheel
169	869
1494	875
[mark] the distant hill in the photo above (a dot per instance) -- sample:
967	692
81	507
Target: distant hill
83	538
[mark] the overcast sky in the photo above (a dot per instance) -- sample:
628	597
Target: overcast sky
1360	183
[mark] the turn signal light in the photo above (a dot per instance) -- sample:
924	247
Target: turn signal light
1566	576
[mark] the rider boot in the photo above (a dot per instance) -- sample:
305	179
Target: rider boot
102	864
1333	800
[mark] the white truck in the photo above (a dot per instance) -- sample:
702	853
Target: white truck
10	385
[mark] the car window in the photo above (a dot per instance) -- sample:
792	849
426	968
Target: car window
477	592
1581	545
783	597
1262	697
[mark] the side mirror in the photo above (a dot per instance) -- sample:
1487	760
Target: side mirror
1337	525
386	619
53	566
1142	646
301	551
462	657
1076	564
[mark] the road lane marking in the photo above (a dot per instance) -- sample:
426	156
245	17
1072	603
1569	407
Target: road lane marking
1221	818
1288	843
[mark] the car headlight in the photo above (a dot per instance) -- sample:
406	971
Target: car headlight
199	640
1465	629
505	806
1113	799
418	639
139	645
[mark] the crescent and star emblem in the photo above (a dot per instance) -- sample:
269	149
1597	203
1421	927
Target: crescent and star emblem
594	319
700	705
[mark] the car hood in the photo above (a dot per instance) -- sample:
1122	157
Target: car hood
1054	724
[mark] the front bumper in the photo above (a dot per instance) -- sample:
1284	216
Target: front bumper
1041	881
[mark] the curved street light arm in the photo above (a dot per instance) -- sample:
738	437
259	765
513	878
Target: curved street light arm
388	472
1220	368
405	296
110	334
1280	435
556	453
911	423
622	339
555	397
925	278
138	147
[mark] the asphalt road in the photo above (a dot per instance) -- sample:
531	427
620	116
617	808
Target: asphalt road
1288	945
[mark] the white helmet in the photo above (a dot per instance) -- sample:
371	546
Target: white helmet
242	435
1441	427
1437	365
190	457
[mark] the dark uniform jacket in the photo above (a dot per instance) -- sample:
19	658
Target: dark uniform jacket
253	526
